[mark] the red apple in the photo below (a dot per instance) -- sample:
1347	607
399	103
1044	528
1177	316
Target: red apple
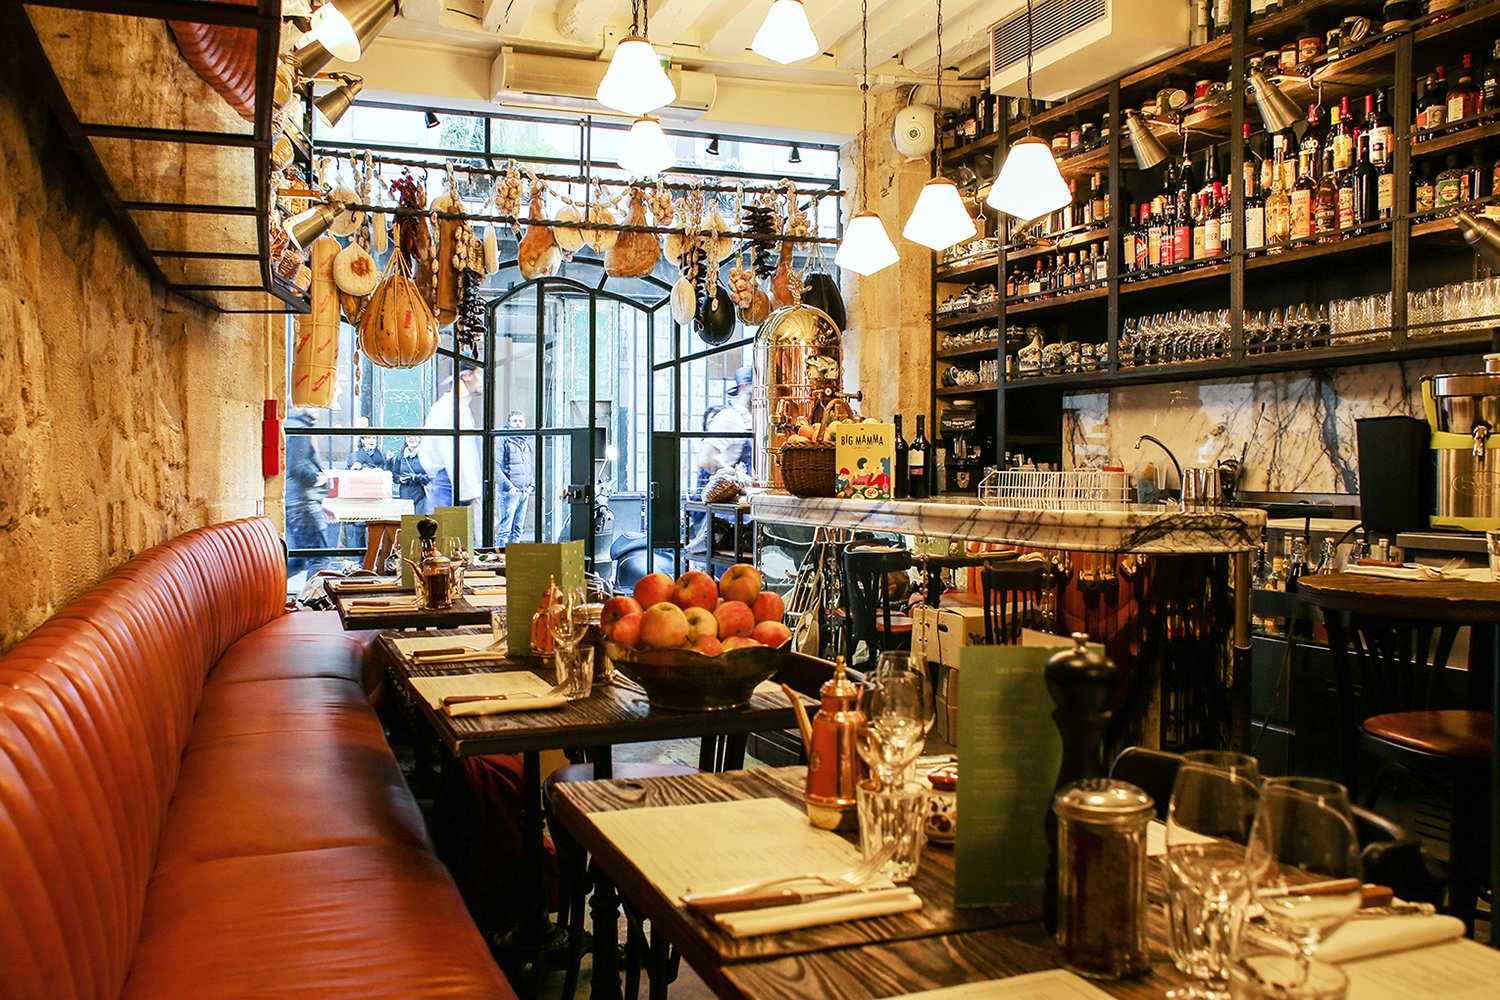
708	645
734	618
772	634
740	582
627	631
700	622
616	608
768	607
695	589
653	588
739	642
664	626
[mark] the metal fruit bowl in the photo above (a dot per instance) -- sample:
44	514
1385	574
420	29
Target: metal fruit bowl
685	680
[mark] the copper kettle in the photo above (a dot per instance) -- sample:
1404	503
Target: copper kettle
831	738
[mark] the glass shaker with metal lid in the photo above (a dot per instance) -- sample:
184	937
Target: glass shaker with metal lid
1101	879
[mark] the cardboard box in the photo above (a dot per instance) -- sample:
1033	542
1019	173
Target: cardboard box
939	635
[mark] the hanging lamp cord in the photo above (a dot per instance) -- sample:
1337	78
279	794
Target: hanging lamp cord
864	99
1030	102
940	82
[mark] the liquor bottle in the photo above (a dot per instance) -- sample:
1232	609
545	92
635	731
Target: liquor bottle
1426	194
1127	241
1463	97
1347	191
1213	245
1255	218
1101	264
919	486
1385	181
1143	240
1278	206
1253	164
1474	177
1312	141
1489	89
1379	128
1154	225
1365	209
1098	202
1223	16
1326	202
902	486
1226	218
1449	188
1296	564
1300	222
1432	107
1341	137
1182	230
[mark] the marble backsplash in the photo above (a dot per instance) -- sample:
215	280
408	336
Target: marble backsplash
1295	429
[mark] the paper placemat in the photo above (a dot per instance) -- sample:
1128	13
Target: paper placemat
1457	970
1054	984
480	574
710	846
475	640
487	600
509	682
376	605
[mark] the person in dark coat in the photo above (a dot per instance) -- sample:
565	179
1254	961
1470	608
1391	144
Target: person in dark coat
517	481
410	478
306	485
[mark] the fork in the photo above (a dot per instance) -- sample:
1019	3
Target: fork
854	878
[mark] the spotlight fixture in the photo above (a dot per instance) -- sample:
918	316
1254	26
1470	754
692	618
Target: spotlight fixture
1483	235
1276	109
1148	149
333	105
647	150
866	246
795	156
939	220
432	120
304	228
712	149
635	83
785	36
1030	185
343	29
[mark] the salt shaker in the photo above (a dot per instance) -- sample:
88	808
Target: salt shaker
1101	884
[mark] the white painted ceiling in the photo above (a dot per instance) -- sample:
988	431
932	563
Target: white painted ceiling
713	36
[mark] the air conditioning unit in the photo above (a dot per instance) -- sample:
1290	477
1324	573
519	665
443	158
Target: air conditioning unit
558	83
1080	43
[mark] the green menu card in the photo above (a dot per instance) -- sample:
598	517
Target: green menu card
1009	760
527	567
453	522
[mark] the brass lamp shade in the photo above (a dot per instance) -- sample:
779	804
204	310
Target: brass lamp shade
367	18
333	105
304	228
1276	109
1144	144
1483	235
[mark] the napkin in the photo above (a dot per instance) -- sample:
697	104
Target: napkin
836	909
1365	937
487	599
1452	570
512	703
375	604
368	583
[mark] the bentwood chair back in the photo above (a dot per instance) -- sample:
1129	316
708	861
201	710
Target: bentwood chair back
867	597
1012	598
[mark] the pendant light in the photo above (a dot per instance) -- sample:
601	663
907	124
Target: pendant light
1276	109
785	36
1144	144
343	29
647	150
939	220
1030	185
333	105
866	247
305	227
635	83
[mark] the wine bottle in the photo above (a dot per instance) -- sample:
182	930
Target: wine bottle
1463	96
901	488
919	484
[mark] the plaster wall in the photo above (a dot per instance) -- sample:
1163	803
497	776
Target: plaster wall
128	416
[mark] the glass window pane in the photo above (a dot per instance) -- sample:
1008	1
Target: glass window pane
386	397
711	400
555	512
566	313
513	490
513	355
620	392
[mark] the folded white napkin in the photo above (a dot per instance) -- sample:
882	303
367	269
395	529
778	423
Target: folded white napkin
836	909
1453	570
370	605
487	599
1156	838
1367	937
368	583
512	703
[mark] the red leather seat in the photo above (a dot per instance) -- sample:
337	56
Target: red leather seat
1449	733
250	835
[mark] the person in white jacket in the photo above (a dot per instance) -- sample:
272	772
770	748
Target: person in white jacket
465	483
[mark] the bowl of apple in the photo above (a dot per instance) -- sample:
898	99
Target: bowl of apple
696	644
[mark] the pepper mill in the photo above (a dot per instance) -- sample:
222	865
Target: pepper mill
1080	682
834	768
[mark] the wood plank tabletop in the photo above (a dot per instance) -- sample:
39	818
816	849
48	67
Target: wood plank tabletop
710	950
611	714
1460	602
461	612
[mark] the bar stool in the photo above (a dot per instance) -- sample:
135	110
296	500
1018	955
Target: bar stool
1392	700
380	541
865	570
1012	598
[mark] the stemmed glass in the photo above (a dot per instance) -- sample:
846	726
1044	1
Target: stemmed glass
1305	856
897	705
1208	829
565	619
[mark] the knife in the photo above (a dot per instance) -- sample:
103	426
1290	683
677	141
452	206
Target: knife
466	699
709	904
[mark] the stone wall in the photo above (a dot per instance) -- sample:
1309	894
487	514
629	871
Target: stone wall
128	416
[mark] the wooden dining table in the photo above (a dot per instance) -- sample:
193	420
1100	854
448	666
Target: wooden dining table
611	714
467	609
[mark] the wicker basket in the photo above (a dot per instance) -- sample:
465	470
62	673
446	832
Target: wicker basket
810	471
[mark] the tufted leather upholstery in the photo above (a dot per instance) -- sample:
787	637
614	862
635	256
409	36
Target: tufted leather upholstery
197	800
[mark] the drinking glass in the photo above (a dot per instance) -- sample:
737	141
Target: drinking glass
1278	977
499	628
896	815
897	704
565	617
575	671
1214	796
1305	859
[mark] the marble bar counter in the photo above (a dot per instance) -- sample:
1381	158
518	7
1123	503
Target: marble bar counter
1153	530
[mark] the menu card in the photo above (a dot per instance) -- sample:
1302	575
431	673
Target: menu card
507	682
453	522
527	567
864	455
1458	970
1011	753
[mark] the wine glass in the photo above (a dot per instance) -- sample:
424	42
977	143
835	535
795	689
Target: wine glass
897	704
1305	856
565	618
1208	829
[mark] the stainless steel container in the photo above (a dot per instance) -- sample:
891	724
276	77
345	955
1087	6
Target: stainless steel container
1463	410
799	369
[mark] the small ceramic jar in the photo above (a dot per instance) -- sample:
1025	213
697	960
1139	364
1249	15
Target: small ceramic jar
942	804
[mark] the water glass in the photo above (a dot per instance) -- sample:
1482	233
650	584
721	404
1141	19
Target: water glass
1492	544
575	671
896	815
898	709
1279	977
499	627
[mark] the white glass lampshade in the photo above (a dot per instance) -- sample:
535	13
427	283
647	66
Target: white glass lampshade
635	82
647	150
939	219
867	247
1030	185
785	36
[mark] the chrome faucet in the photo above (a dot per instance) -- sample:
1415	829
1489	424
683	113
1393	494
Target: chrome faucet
1175	464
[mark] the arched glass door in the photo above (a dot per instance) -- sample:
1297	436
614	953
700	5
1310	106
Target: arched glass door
567	411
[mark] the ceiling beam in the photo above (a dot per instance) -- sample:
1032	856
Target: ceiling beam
506	17
894	25
834	19
965	38
584	20
671	20
423	11
733	34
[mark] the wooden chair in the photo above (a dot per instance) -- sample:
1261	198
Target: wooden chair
381	539
865	572
1013	598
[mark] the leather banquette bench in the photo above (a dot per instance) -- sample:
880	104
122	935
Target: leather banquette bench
197	800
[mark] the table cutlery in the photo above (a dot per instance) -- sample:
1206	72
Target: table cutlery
854	878
714	904
469	699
